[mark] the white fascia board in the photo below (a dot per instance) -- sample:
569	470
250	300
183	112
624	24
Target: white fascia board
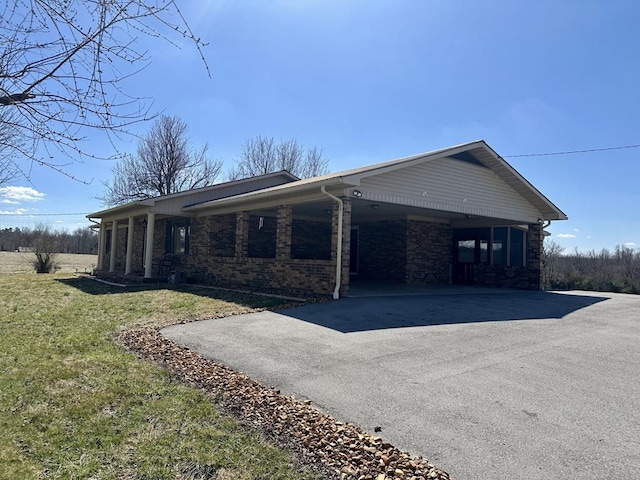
281	193
119	212
523	182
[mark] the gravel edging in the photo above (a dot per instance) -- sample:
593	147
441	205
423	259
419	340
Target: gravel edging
341	449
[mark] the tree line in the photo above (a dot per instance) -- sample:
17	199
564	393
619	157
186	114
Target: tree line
604	271
81	240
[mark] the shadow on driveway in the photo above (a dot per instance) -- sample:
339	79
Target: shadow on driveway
376	313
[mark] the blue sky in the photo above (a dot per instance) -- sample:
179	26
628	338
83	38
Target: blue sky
370	81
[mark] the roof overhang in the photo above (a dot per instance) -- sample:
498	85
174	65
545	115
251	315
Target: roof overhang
309	189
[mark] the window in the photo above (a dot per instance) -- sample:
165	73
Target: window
507	245
177	237
500	239
472	245
517	247
466	251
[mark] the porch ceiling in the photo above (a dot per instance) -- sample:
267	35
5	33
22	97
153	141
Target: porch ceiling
363	210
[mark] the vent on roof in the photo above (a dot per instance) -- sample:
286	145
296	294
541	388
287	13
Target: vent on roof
467	157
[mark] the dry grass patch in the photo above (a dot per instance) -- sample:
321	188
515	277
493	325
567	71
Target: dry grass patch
22	262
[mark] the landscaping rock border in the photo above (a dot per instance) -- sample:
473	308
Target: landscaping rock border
341	449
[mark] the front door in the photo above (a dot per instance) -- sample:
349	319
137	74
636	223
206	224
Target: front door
470	248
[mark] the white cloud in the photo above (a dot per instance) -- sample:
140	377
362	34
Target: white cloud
17	211
630	244
576	230
10	202
565	235
21	193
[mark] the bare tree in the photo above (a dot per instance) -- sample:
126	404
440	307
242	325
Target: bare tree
165	163
62	66
551	251
262	155
44	248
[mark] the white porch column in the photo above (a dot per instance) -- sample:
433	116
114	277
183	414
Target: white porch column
114	238
127	268
148	253
101	244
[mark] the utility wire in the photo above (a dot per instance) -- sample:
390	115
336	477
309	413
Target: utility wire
570	152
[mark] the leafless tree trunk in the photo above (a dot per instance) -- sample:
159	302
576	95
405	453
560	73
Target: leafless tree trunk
165	163
262	155
62	63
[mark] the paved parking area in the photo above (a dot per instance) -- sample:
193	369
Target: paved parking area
510	385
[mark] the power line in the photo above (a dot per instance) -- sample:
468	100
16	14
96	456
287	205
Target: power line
570	152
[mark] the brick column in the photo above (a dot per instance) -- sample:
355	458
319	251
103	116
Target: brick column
242	234
283	232
534	256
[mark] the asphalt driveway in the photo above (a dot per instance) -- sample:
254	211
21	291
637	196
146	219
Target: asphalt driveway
509	385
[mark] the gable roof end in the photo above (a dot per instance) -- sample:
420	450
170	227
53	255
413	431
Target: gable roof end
476	152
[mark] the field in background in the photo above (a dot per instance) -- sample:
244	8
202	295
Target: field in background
14	262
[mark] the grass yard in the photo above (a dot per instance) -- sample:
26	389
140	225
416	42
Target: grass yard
21	262
74	405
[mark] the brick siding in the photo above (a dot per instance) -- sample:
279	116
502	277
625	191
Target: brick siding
429	252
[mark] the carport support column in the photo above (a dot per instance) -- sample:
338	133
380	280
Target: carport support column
127	268
283	232
114	242
535	237
148	252
101	245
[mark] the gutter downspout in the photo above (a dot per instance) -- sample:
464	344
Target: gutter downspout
336	290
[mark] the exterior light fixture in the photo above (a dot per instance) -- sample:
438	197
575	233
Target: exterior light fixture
357	193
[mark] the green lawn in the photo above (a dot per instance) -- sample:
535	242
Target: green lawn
73	404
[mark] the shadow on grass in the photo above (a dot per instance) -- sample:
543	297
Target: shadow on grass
93	287
378	313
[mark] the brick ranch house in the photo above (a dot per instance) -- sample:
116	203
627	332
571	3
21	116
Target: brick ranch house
456	215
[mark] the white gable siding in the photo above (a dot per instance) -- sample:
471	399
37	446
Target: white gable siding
450	185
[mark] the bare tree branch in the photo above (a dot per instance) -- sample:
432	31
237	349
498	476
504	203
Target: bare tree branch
262	155
165	163
62	66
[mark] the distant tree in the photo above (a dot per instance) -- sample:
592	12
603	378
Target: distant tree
551	251
165	163
44	248
63	67
262	155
